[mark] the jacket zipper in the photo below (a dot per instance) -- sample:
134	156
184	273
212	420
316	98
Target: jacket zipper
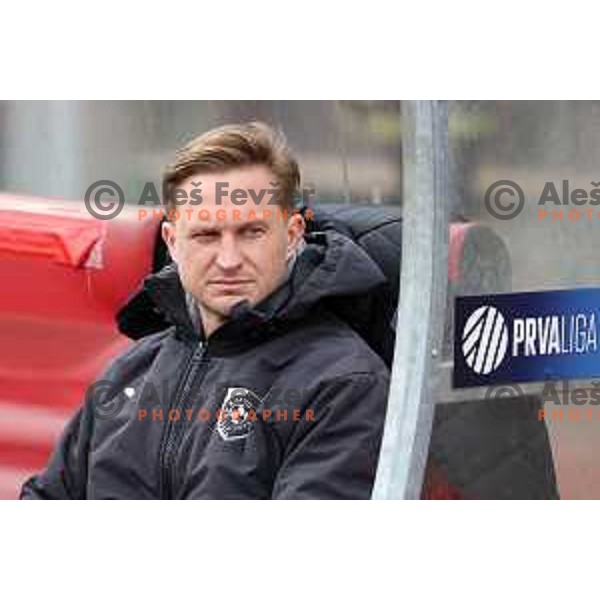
192	377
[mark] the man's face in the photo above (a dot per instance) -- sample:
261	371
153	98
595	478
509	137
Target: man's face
229	252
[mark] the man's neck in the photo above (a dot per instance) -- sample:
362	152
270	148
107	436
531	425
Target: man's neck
210	322
205	322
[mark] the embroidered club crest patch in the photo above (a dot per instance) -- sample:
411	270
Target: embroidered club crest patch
234	423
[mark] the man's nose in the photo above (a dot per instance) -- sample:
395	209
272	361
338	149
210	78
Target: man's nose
229	256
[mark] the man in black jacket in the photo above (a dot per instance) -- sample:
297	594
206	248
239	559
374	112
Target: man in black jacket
256	389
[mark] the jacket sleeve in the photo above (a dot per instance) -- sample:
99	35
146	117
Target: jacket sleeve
65	475
335	456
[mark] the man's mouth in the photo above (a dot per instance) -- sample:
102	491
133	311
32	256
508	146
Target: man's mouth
228	284
230	281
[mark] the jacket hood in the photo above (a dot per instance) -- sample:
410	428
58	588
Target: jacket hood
330	266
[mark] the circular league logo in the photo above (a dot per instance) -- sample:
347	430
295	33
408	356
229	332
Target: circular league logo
485	340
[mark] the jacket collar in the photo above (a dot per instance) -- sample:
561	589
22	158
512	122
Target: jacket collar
330	266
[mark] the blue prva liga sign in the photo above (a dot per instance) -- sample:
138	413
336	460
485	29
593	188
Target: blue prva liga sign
530	336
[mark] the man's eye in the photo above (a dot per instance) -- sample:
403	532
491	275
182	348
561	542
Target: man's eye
254	232
205	237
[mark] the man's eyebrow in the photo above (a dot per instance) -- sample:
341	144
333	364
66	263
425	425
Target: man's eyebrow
243	226
252	223
208	229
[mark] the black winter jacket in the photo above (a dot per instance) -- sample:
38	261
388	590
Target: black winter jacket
285	400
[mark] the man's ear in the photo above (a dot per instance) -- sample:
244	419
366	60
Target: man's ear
169	236
296	228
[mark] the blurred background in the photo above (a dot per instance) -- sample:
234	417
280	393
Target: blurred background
350	152
352	149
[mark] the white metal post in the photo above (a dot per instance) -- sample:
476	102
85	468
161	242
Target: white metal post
422	302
